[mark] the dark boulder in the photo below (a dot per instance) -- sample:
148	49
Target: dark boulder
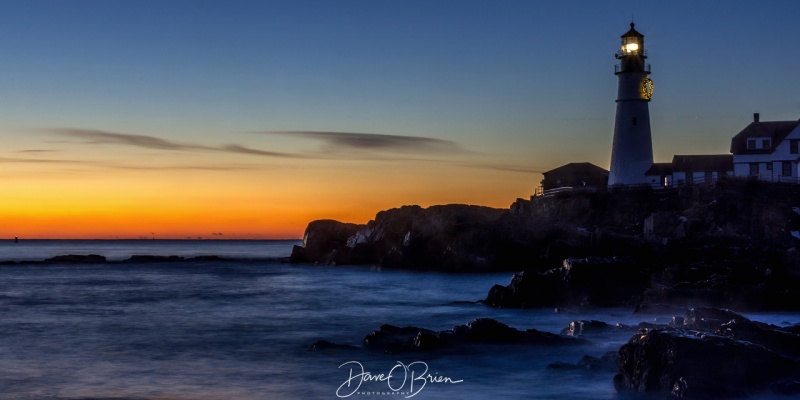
587	281
487	330
696	364
323	345
709	318
769	336
77	258
393	339
324	242
582	327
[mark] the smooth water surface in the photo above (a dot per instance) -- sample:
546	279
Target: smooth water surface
242	329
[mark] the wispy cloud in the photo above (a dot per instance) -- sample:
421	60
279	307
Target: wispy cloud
235	148
506	168
184	167
376	141
37	151
92	136
40	161
336	146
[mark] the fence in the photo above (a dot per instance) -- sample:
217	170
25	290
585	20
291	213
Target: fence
540	192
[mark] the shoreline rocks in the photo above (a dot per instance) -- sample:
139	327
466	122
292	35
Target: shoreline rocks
727	244
602	282
483	331
710	353
137	258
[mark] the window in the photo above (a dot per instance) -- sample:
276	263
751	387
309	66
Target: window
793	148
751	143
769	166
709	177
766	144
786	168
753	169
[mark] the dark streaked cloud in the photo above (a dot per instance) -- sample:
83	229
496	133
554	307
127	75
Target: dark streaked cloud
507	168
223	167
102	137
37	151
376	141
235	148
92	136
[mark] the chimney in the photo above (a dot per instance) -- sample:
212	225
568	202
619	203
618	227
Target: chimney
756	117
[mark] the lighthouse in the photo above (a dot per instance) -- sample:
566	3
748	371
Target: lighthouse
632	148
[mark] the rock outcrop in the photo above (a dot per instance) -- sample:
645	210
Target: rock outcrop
710	353
323	242
452	237
77	258
731	244
589	281
392	339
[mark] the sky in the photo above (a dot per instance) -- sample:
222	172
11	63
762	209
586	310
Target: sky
249	119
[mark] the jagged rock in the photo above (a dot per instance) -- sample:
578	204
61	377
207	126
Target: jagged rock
392	339
487	330
322	241
582	327
696	364
724	245
589	281
76	258
709	318
769	336
320	345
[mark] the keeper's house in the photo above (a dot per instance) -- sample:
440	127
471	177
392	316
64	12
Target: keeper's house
692	169
767	150
575	175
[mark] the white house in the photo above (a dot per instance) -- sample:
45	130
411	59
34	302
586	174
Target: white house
767	150
691	169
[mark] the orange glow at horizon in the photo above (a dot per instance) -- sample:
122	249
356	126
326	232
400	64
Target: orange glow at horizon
253	204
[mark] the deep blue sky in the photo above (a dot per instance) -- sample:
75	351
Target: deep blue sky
516	86
525	72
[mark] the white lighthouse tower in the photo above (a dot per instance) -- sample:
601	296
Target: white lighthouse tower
632	149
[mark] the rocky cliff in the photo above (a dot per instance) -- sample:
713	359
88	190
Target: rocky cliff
732	242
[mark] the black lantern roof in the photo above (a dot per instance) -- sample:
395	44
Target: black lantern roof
632	33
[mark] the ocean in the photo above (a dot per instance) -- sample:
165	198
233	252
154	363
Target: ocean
242	328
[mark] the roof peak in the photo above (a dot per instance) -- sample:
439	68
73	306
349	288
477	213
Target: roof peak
632	32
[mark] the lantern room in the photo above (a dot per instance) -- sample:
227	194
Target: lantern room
632	44
632	53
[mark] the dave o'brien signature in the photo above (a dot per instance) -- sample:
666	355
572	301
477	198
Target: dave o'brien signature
414	374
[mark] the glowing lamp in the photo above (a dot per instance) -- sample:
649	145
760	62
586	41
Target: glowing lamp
632	43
